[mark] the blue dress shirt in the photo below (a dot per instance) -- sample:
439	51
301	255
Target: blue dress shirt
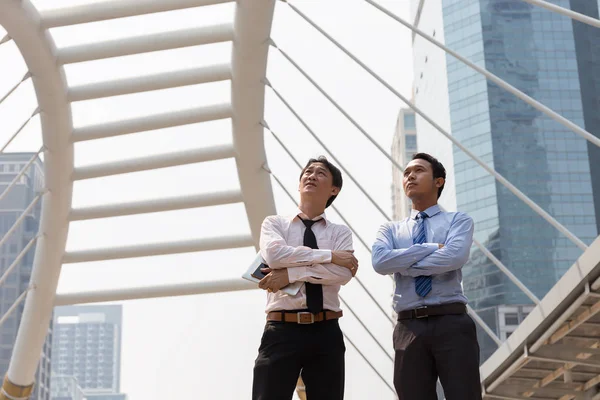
395	253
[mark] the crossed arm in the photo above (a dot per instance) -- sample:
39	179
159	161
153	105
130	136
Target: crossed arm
302	263
424	259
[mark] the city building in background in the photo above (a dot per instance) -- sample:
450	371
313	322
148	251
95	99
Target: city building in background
66	388
404	145
117	396
17	254
87	346
556	61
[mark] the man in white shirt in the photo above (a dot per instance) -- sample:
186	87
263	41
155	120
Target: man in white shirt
302	335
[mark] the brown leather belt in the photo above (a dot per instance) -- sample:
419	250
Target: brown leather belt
303	317
430	311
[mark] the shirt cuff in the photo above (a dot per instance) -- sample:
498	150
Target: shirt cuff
321	256
296	273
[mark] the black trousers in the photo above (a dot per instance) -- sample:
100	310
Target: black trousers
441	346
287	350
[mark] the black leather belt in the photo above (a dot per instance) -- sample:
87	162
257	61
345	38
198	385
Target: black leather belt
429	311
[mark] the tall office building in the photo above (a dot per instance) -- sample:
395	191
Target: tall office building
556	61
66	388
404	145
112	396
87	346
12	207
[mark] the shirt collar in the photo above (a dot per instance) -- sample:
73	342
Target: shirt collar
299	213
431	211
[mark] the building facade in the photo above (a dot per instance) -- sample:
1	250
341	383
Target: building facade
404	145
119	396
66	388
554	60
18	257
87	346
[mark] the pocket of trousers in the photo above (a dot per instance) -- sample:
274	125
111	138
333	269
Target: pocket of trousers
403	336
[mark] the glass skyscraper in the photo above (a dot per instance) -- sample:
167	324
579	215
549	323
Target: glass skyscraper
556	61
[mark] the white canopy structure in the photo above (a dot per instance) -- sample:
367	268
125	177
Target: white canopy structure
554	354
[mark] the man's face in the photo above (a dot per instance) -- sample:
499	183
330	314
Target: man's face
418	180
317	182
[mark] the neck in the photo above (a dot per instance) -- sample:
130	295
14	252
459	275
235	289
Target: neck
423	204
311	209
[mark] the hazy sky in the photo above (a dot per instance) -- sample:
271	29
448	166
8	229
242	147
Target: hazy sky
204	346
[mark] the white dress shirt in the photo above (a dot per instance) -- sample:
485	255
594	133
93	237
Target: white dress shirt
281	245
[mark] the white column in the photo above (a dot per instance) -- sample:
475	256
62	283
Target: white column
252	29
21	20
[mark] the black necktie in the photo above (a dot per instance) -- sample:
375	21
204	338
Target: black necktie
314	292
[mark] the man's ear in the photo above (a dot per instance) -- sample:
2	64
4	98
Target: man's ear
439	182
335	191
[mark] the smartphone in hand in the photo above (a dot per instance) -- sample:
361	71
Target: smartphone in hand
258	274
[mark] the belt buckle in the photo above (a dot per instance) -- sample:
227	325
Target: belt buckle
304	321
422	315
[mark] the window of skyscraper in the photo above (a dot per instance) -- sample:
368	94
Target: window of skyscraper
410	142
511	319
409	121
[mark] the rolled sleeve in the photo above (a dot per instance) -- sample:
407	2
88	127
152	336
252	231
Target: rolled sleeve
321	256
297	274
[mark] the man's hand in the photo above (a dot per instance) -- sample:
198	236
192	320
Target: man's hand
346	259
275	280
440	245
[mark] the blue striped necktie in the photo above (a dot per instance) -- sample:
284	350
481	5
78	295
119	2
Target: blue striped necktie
422	283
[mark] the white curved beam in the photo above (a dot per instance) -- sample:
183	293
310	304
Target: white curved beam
158	205
21	20
146	43
253	19
154	162
153	292
152	122
158	249
165	80
106	10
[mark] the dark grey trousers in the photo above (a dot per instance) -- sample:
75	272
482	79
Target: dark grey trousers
441	346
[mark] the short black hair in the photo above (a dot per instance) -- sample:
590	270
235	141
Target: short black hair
333	170
438	168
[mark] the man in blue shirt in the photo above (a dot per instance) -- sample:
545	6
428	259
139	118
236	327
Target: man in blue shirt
434	336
